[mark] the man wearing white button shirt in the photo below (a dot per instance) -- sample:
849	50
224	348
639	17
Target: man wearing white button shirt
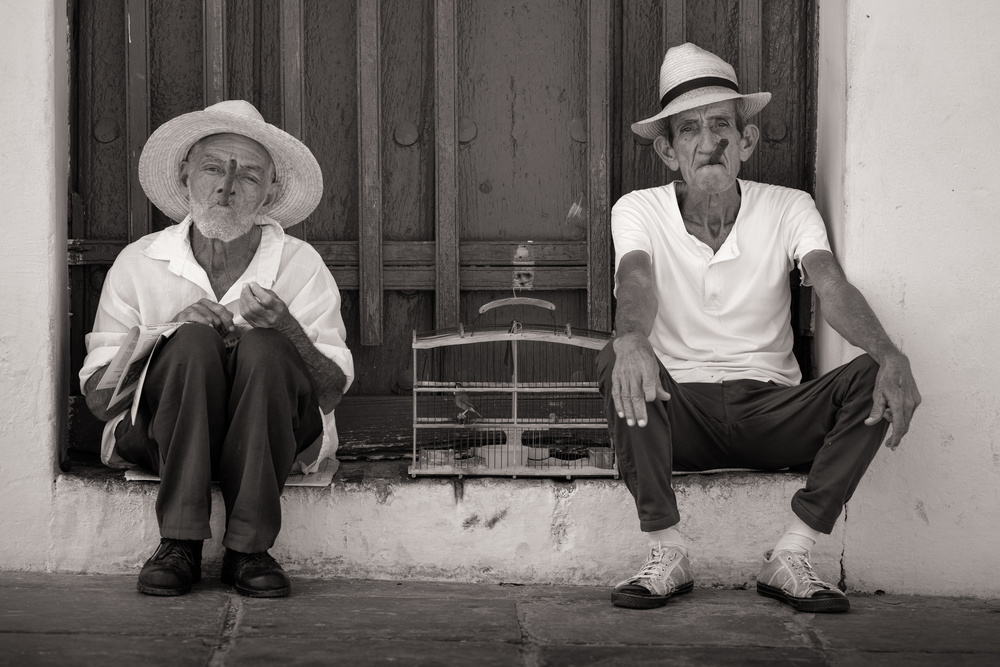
245	390
701	375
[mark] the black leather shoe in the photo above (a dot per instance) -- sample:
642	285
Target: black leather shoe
172	569
255	575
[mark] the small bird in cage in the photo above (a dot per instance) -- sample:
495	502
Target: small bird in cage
465	404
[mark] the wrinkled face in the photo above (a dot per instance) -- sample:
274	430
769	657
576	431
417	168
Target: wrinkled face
229	181
697	133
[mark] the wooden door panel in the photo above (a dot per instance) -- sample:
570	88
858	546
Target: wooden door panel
253	50
407	112
329	125
385	369
101	161
788	123
711	24
522	81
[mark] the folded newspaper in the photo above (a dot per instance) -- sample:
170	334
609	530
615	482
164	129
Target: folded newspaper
127	370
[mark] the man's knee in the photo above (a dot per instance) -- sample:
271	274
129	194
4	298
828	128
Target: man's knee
263	343
864	370
196	341
266	351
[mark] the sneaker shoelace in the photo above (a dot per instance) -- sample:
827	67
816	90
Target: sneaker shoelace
803	571
653	569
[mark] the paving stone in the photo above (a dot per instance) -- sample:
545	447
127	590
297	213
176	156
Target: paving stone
901	623
318	651
64	581
572	656
745	621
381	618
68	650
912	659
444	590
118	611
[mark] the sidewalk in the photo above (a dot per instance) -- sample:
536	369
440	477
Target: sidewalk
50	619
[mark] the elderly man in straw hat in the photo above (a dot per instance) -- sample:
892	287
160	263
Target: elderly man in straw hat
701	374
245	390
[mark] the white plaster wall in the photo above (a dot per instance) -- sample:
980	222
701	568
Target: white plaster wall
34	154
916	227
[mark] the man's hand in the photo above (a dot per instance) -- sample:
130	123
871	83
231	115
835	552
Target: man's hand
207	312
635	379
895	397
262	308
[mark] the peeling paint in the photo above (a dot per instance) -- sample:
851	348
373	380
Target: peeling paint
921	512
495	519
559	527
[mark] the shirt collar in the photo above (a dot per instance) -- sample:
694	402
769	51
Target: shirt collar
173	245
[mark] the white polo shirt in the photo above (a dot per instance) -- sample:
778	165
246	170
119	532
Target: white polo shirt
158	276
723	316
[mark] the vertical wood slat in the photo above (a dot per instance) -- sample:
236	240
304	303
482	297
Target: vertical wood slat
369	172
214	54
137	112
292	43
674	23
598	162
445	159
291	66
750	72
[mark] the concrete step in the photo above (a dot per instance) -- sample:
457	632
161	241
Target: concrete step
375	522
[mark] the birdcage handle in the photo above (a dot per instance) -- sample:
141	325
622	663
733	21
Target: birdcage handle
517	301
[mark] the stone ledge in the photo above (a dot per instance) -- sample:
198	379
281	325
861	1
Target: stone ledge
376	522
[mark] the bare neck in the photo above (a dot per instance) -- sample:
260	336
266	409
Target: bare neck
709	217
224	261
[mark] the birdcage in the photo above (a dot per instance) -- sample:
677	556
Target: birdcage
512	399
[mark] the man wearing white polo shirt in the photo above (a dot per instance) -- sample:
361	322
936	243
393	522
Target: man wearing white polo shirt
701	373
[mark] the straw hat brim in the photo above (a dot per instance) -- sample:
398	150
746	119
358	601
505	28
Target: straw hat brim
300	179
655	126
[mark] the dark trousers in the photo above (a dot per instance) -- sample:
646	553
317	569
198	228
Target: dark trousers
817	425
238	416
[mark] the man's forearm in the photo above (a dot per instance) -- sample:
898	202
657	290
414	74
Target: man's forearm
327	375
846	309
637	304
848	312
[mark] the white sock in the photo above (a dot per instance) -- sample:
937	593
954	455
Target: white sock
668	537
799	538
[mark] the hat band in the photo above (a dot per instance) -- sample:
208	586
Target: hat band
694	84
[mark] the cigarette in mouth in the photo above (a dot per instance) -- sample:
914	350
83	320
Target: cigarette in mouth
227	187
719	150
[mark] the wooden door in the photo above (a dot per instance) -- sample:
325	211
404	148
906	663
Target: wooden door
470	148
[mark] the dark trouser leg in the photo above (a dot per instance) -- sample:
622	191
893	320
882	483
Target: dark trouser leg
685	433
820	421
179	428
746	423
273	414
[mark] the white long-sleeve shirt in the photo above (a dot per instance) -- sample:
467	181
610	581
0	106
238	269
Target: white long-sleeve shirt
158	276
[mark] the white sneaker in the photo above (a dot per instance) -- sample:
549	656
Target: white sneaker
666	573
788	576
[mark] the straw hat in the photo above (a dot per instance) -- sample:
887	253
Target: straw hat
300	181
691	77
